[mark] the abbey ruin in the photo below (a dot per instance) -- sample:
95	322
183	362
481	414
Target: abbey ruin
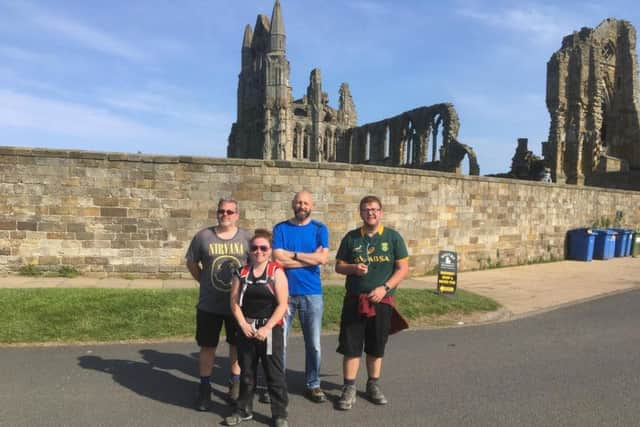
272	125
592	97
593	101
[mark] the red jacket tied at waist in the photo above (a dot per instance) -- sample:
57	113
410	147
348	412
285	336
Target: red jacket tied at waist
367	309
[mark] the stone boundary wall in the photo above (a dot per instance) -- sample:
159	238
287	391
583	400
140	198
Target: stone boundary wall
115	213
629	180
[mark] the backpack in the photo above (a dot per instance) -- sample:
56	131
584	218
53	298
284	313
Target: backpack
272	266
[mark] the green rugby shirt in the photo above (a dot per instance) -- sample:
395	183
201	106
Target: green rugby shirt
379	251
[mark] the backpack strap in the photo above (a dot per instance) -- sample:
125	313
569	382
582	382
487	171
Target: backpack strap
271	275
244	276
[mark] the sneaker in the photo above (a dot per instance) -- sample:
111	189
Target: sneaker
348	398
234	390
315	395
281	422
238	417
374	393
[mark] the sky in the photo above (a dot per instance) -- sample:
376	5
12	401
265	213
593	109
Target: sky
160	76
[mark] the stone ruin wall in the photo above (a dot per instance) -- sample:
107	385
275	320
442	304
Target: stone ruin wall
111	213
422	138
593	100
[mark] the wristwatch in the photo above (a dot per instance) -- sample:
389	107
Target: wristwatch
295	256
386	287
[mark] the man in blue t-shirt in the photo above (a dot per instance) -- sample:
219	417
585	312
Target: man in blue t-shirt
301	245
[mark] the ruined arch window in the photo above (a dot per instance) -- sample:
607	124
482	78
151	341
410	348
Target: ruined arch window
435	129
367	147
387	139
608	50
295	145
278	75
409	144
305	146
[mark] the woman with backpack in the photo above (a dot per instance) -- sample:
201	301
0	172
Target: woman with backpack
259	296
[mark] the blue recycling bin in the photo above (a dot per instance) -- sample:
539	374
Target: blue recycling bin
581	244
623	242
605	245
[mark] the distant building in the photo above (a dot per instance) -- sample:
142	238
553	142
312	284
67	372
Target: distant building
593	100
272	125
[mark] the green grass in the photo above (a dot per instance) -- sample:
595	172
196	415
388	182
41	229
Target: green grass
76	315
34	270
30	270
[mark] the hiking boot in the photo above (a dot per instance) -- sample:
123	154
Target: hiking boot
204	397
348	398
238	417
281	422
315	395
234	390
374	393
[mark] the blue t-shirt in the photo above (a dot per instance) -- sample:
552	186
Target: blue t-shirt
302	238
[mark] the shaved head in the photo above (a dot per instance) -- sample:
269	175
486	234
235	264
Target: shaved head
302	205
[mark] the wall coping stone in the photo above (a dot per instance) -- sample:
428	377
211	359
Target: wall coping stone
168	159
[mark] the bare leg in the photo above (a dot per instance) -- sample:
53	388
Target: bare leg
350	367
234	366
374	366
206	360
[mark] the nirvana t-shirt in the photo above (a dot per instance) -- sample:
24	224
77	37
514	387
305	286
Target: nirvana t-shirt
220	260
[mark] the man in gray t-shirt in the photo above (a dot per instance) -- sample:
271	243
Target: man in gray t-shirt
214	256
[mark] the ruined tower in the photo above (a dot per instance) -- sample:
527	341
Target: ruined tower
270	124
592	97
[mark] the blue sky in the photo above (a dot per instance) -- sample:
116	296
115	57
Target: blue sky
160	76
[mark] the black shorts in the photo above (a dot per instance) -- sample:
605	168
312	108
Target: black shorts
209	325
358	332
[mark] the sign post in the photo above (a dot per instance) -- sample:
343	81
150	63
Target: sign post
447	272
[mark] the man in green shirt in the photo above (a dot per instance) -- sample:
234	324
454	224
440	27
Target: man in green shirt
375	260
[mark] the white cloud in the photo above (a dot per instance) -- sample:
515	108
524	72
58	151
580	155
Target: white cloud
164	102
80	126
541	24
78	32
35	113
24	55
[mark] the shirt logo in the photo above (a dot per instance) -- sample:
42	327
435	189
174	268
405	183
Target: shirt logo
384	246
222	272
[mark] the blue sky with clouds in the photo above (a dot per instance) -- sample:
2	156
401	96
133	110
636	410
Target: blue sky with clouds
161	76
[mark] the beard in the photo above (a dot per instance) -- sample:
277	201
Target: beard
302	214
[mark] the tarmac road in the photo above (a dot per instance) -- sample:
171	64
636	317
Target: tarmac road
575	366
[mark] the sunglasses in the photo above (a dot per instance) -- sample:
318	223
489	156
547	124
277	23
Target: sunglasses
225	211
263	248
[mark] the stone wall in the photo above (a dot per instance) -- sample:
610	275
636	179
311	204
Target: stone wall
113	213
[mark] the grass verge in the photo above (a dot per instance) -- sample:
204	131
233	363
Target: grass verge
76	315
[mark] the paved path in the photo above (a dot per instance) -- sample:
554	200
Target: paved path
576	366
521	290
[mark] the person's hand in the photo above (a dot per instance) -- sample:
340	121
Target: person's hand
361	269
377	294
262	333
247	329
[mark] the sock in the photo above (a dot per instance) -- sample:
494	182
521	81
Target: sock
233	378
349	382
205	380
372	380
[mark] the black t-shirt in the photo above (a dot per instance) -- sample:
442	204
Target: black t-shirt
258	296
